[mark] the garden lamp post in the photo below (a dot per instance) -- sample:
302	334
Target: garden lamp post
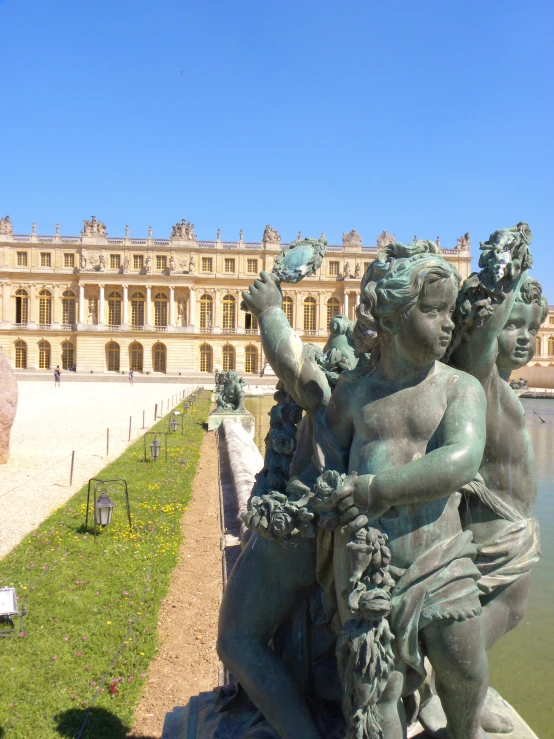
102	506
155	447
103	510
173	423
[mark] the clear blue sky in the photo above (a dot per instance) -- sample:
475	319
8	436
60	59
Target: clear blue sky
419	117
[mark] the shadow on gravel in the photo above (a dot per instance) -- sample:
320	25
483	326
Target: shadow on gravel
101	724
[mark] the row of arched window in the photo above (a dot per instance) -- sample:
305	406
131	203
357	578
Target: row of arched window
229	312
44	354
228	358
45	301
136	357
161	302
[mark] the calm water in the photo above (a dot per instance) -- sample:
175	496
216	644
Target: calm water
522	663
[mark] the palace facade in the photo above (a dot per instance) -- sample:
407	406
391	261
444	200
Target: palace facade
170	306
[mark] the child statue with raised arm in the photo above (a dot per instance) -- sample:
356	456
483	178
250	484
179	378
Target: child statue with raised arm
409	432
498	314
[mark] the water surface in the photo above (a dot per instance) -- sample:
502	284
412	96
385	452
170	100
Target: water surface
522	662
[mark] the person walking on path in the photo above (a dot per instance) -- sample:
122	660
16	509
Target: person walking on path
57	376
131	373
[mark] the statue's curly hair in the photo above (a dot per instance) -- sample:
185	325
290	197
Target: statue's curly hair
529	292
393	283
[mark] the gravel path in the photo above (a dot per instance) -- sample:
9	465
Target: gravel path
187	662
50	424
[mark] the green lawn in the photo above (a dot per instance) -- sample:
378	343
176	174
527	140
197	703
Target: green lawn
91	628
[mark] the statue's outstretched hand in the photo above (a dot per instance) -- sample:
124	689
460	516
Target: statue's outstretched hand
262	294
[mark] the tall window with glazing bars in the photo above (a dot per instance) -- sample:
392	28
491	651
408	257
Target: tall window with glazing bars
68	308
229	313
309	314
45	307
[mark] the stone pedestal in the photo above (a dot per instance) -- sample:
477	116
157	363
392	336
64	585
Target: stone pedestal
205	717
245	419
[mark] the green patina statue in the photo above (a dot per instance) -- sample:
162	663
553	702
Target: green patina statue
231	395
366	506
498	315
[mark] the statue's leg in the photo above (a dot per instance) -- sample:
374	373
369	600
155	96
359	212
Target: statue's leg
504	609
265	585
456	650
391	706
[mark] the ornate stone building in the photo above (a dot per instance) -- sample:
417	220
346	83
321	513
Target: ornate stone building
103	304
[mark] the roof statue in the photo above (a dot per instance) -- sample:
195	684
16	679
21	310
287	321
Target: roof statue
271	235
6	227
385	238
94	228
183	231
463	242
352	238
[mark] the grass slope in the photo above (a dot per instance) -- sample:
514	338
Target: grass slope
91	628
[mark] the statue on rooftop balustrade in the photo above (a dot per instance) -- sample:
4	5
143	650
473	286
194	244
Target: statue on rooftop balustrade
385	238
183	231
352	238
94	228
6	227
271	235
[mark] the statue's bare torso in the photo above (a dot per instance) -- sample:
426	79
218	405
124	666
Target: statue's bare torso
389	430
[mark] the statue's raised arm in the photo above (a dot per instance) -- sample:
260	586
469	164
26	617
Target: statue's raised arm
293	363
487	297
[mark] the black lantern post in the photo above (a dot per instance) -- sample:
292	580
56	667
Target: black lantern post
103	510
102	506
174	421
155	446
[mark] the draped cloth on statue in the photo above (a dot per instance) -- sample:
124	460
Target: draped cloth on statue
440	584
508	555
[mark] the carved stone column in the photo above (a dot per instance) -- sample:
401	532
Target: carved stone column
192	306
171	305
240	317
148	306
322	319
6	318
6	302
55	306
218	311
125	305
101	305
33	304
82	317
345	303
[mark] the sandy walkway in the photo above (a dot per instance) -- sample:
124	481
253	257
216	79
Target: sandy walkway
187	662
51	423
